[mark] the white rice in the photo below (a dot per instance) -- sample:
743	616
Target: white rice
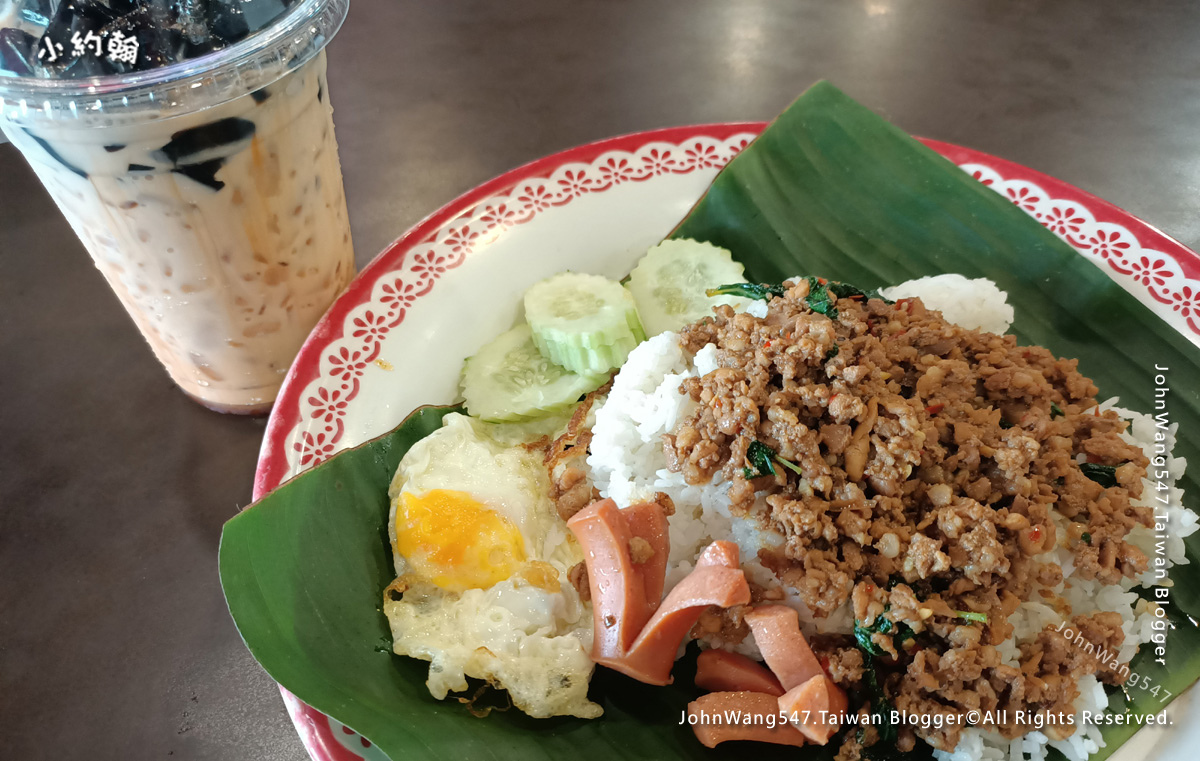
969	303
628	464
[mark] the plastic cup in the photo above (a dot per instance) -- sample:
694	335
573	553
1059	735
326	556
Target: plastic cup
209	194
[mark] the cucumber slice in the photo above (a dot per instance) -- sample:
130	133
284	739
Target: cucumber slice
668	284
509	380
587	324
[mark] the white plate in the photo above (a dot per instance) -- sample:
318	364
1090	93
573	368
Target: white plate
397	338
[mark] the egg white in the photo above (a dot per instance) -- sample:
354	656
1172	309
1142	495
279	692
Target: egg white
527	639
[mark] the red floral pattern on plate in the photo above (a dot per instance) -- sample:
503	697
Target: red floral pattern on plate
306	426
1185	301
1148	264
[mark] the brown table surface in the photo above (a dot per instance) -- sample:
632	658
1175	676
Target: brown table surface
114	638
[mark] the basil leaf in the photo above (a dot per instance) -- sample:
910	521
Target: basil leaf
1105	475
818	298
881	708
760	292
759	455
846	291
862	635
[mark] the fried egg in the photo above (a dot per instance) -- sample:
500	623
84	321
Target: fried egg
482	559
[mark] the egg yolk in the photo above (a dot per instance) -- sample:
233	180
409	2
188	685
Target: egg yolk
453	541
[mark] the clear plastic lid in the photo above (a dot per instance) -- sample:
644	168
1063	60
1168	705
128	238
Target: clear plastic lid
108	61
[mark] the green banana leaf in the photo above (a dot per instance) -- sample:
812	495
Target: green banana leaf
303	571
829	189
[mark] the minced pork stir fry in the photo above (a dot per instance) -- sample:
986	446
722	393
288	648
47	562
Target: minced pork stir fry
912	466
